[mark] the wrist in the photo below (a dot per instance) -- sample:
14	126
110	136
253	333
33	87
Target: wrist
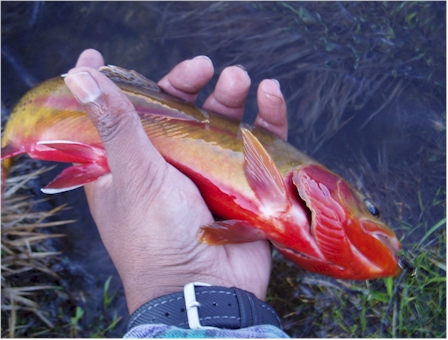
138	293
144	289
200	305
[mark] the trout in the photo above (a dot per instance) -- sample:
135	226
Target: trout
261	186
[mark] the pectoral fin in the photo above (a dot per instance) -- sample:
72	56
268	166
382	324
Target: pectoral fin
263	175
229	231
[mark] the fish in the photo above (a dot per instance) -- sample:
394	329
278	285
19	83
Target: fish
260	186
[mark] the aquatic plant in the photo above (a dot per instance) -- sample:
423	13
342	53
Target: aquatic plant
332	57
26	255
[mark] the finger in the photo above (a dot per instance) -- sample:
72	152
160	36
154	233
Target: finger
129	151
91	58
272	111
187	78
230	93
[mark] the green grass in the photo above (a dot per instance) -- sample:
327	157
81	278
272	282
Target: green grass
75	321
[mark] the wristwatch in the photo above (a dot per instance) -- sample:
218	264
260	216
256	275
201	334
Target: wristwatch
201	306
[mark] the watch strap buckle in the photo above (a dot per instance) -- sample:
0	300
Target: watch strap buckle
192	305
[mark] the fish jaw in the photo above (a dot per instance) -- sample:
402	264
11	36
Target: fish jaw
355	244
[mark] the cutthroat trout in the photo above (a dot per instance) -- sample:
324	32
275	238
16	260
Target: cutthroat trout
263	187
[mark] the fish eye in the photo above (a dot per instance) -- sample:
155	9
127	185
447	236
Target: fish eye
372	208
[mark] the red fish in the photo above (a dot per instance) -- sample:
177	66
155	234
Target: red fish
263	187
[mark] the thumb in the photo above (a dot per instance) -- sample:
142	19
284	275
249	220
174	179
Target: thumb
127	146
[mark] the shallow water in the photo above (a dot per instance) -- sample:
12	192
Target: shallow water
332	87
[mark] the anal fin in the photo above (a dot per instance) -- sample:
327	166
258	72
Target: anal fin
229	232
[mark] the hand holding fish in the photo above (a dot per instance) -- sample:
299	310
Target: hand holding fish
147	212
131	146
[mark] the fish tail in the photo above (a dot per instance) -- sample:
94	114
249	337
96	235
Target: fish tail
7	153
90	163
74	177
10	150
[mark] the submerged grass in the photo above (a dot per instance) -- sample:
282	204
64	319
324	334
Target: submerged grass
335	59
25	254
30	287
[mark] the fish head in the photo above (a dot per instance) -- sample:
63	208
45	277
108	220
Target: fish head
353	241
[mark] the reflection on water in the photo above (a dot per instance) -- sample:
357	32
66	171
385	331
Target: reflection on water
366	98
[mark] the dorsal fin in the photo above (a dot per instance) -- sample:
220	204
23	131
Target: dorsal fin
122	76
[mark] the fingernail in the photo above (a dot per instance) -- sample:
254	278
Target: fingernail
278	83
204	57
241	67
83	87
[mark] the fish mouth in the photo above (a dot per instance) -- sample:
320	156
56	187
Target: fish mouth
382	233
390	242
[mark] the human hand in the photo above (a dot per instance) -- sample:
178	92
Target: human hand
148	213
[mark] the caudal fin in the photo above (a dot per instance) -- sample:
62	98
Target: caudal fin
7	152
11	150
74	177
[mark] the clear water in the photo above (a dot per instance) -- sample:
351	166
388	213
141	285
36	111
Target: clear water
329	78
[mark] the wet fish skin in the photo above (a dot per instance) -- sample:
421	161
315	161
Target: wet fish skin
264	187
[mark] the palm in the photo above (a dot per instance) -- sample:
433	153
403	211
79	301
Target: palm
246	266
